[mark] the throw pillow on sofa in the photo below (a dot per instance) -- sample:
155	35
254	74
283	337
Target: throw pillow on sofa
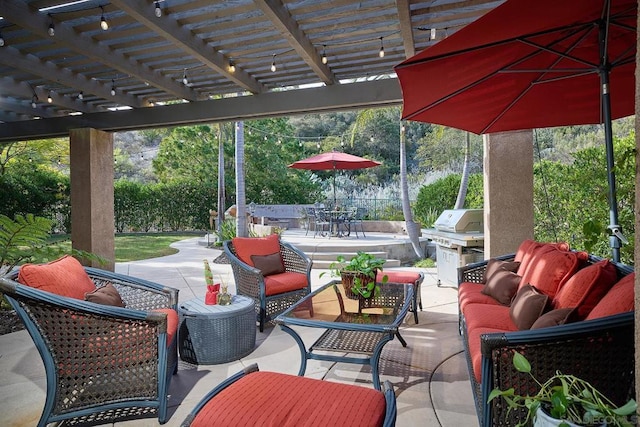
495	265
585	288
502	285
556	317
619	299
527	306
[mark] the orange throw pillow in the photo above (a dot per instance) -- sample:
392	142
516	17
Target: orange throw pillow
247	246
585	288
65	277
619	299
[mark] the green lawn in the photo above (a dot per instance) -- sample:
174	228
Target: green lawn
133	247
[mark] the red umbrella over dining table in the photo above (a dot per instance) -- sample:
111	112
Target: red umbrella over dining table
334	160
529	64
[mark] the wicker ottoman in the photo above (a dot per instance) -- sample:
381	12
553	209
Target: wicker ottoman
211	334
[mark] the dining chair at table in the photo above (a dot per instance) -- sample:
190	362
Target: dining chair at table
356	220
322	223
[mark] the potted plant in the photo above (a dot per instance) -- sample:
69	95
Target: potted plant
566	400
358	274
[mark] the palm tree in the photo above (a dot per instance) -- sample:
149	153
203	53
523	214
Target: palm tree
241	216
464	182
413	230
221	192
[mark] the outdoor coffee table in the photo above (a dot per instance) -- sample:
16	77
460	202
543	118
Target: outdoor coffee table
352	326
212	334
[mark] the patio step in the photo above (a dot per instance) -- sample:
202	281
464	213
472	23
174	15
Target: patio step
325	259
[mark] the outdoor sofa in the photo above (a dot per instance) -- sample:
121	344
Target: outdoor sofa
577	318
103	362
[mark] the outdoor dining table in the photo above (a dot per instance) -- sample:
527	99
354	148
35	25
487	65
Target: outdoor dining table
339	221
354	326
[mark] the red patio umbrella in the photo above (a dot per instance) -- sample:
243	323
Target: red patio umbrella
332	161
529	64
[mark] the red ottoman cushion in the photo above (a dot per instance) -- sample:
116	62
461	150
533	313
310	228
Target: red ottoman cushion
275	399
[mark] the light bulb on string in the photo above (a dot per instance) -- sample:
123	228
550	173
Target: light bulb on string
273	64
113	87
232	67
185	81
52	27
324	55
34	100
381	52
103	21
81	95
1	40
49	98
433	34
158	10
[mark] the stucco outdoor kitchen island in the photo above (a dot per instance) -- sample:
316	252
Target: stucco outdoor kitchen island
357	326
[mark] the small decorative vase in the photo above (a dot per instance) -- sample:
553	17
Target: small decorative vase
224	298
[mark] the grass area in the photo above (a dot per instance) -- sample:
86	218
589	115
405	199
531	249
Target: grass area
137	246
425	263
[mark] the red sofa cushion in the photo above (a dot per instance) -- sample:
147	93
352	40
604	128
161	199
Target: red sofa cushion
529	248
284	282
550	267
619	299
488	316
398	276
475	351
585	288
471	293
247	246
275	399
172	322
65	277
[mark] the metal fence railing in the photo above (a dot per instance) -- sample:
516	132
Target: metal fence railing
377	209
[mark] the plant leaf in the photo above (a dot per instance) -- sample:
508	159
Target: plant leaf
521	363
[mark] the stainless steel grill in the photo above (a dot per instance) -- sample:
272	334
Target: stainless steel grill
459	239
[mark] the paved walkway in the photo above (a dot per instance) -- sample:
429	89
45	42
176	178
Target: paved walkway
430	375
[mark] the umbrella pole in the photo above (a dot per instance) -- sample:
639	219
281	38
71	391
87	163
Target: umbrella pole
335	202
616	238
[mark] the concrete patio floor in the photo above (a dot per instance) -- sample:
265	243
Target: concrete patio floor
429	376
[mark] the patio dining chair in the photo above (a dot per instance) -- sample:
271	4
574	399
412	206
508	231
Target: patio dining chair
107	341
274	273
356	219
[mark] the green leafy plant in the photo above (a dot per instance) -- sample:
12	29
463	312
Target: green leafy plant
566	397
365	266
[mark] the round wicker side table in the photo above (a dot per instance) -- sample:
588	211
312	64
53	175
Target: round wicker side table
212	334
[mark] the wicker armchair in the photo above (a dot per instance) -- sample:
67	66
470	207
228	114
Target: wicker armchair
250	281
103	363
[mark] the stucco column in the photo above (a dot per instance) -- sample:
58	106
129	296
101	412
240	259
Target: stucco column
508	191
92	211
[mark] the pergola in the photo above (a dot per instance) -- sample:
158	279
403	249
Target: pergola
117	65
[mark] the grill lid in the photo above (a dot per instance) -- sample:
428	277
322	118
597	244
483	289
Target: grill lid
461	221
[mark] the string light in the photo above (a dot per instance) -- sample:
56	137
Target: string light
232	67
324	54
1	40
158	10
49	98
273	64
433	34
185	81
103	21
81	95
113	87
381	53
52	27
34	100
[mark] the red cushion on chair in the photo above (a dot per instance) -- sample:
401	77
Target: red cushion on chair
172	322
398	276
284	282
585	288
282	400
247	246
619	299
65	277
